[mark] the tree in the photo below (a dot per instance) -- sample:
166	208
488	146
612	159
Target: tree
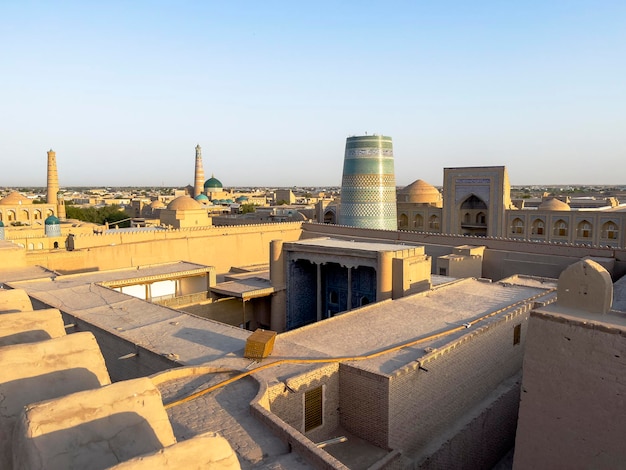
101	215
247	208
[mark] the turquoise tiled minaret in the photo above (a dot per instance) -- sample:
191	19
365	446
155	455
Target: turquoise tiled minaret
368	186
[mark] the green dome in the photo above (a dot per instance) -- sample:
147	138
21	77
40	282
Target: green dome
201	197
241	199
213	183
1	224
52	220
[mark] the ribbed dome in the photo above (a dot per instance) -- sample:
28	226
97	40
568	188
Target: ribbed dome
420	192
52	220
184	203
213	183
554	204
15	199
157	204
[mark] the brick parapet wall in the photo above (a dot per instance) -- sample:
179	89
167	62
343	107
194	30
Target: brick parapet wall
280	407
503	257
424	404
485	437
318	458
286	400
364	404
495	243
83	241
221	247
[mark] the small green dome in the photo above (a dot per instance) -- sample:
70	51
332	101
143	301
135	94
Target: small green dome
228	201
52	220
1	224
213	183
241	199
201	198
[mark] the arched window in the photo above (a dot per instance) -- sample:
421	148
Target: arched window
419	221
11	215
481	218
610	231
364	301
537	227
333	297
517	226
560	228
433	222
466	218
403	221
37	214
584	229
329	217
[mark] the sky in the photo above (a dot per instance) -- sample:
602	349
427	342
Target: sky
124	91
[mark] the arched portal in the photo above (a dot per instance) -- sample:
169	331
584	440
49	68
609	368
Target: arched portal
403	221
585	229
473	216
419	222
329	217
610	231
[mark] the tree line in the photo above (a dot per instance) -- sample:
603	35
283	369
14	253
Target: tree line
99	215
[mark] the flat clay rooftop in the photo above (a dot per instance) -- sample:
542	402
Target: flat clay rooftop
196	341
189	339
381	325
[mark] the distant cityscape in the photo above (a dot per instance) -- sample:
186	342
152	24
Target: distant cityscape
369	325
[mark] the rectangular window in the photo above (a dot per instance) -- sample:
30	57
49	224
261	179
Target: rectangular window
313	409
517	334
443	272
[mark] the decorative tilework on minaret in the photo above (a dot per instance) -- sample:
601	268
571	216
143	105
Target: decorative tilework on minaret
368	186
198	186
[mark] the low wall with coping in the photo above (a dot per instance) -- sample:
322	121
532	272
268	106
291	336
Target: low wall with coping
222	247
502	257
261	408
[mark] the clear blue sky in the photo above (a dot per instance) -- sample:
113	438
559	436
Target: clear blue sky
123	91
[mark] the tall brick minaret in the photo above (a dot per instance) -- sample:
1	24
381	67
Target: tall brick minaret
52	195
198	186
368	186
